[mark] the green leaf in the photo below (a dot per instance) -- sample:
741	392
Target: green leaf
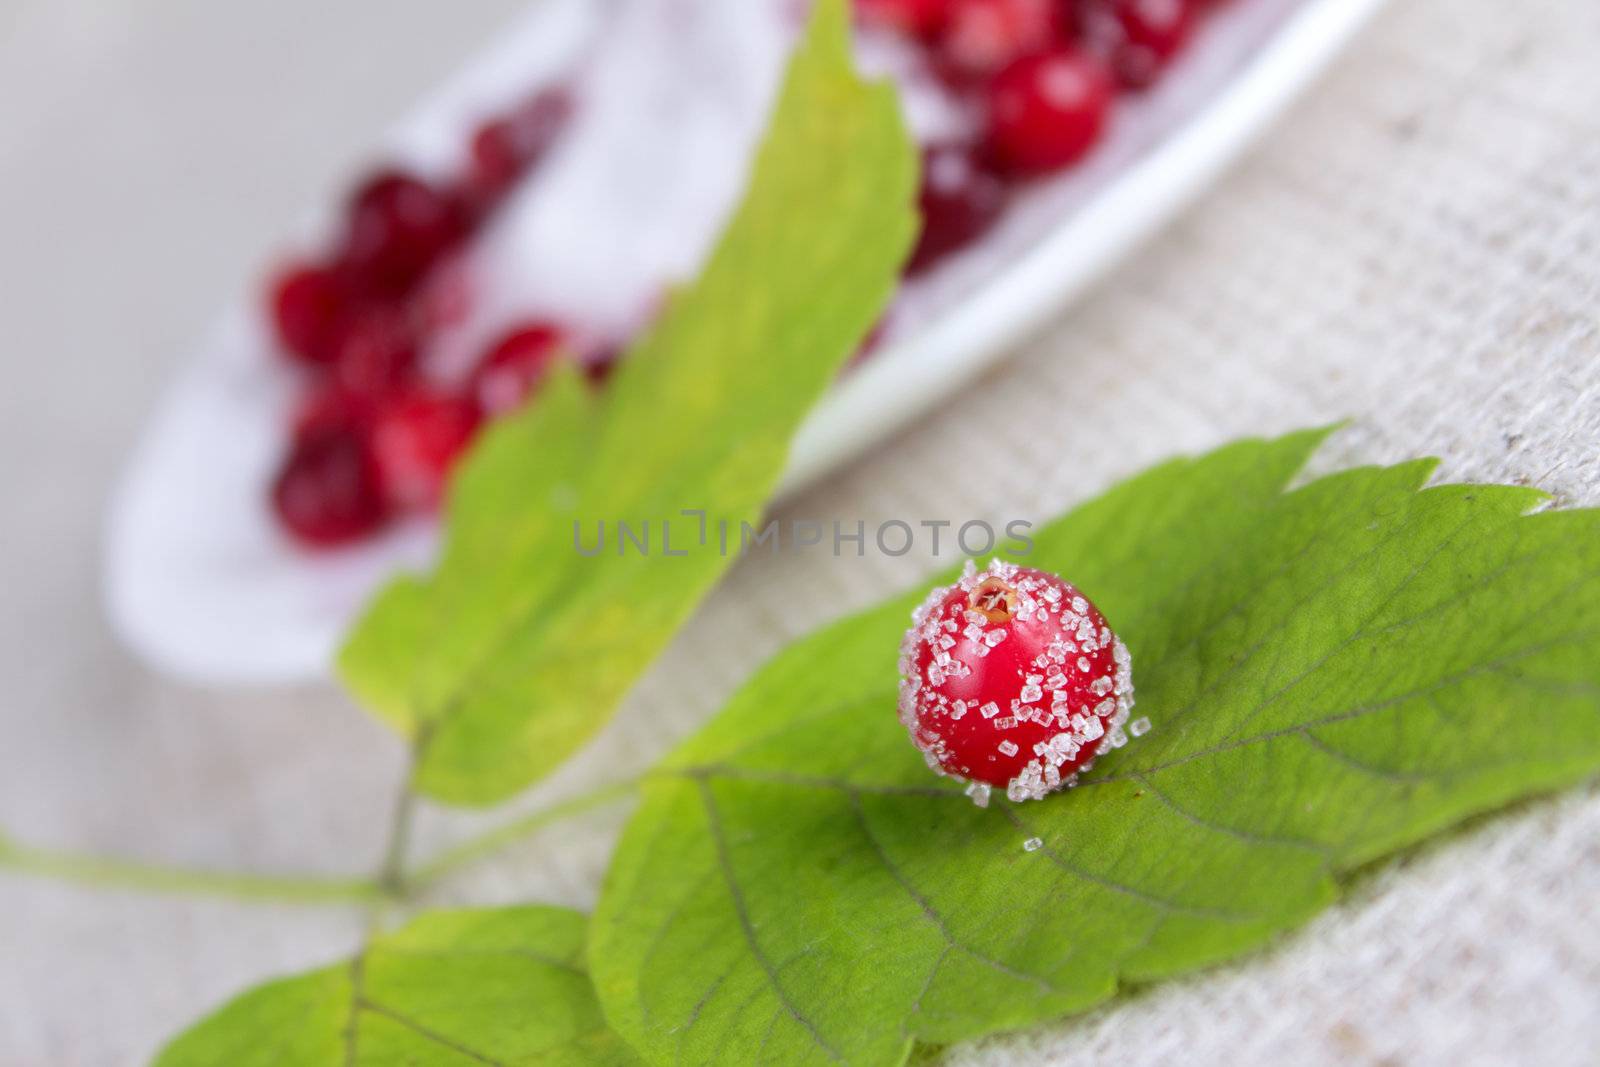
501	986
519	648
510	501
1333	673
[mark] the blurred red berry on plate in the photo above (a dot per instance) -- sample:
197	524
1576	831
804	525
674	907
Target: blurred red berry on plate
1138	37
416	439
330	410
327	491
917	18
306	302
512	369
1046	111
398	227
599	367
959	201
446	298
377	351
497	161
980	37
503	149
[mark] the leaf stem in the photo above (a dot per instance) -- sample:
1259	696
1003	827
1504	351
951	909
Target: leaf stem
393	883
105	872
491	841
392	875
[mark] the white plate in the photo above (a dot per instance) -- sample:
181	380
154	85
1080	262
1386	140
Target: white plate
200	582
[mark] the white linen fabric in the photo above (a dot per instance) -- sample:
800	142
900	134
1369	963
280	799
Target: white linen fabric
1417	248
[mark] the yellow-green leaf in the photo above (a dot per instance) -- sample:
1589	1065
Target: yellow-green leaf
503	986
520	648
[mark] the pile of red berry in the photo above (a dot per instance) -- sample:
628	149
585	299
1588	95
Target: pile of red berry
1041	76
376	433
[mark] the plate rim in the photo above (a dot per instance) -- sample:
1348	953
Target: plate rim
909	378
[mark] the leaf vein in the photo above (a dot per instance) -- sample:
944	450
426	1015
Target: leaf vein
1371	770
1270	633
929	912
512	953
922	993
1491	667
699	1007
1133	892
350	1035
362	1004
1244	836
803	781
719	836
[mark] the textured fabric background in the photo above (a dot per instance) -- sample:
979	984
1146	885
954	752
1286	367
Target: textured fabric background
1417	247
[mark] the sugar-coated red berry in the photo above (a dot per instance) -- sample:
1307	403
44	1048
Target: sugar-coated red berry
327	492
980	37
398	226
512	369
1138	37
1012	678
960	200
1046	111
416	439
307	301
377	350
916	18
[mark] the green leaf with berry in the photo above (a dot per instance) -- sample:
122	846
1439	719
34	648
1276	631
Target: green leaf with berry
454	987
1332	673
517	650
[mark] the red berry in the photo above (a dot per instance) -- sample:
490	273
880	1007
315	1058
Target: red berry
1046	111
541	118
416	439
496	161
601	365
398	227
918	18
503	149
870	343
377	351
1139	37
331	410
446	299
981	37
960	200
327	491
1012	678
514	367
306	303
